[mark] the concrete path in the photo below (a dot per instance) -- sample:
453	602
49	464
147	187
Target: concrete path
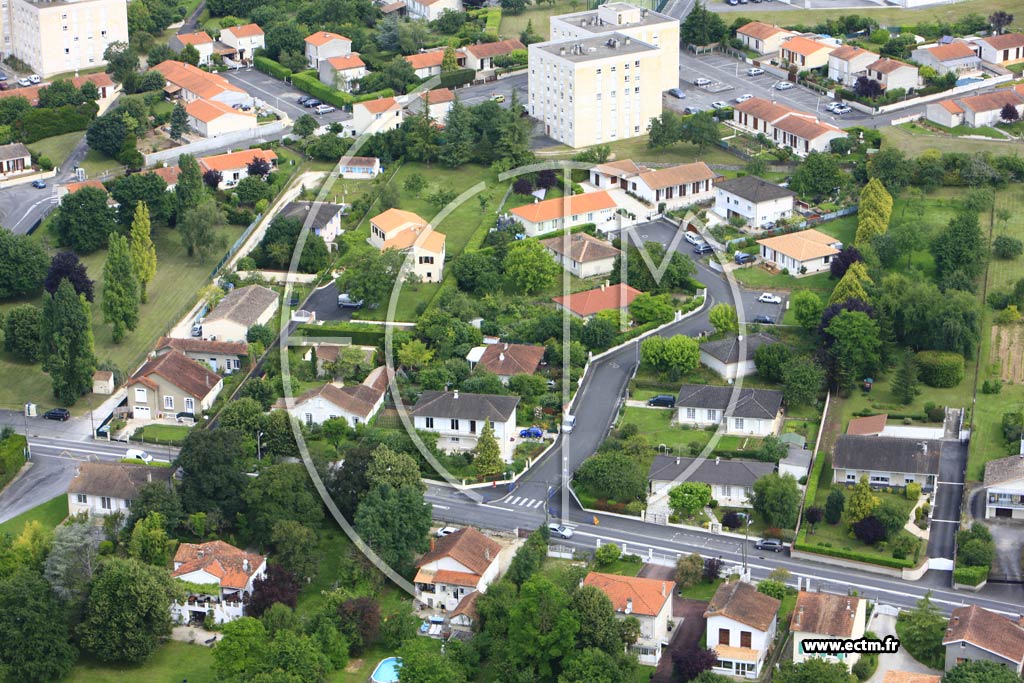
884	625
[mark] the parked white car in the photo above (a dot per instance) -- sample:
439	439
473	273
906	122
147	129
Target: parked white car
769	298
701	82
755	71
138	454
744	98
446	531
783	85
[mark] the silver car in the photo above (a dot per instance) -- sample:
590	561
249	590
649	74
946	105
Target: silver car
701	82
559	531
783	85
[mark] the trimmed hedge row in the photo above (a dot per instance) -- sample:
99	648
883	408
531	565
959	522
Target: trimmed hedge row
272	68
941	369
363	335
309	83
12	457
37	124
453	79
853	555
970	576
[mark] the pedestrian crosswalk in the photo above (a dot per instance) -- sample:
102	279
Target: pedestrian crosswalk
522	501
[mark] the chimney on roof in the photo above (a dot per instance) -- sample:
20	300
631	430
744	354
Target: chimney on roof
501	357
629	605
245	564
603	285
487	554
956	619
431	544
663	594
506	346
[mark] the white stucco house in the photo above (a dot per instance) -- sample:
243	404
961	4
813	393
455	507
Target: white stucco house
801	132
1003	49
560	213
758	412
220	580
101	488
673	186
959	57
1004	488
581	254
357	404
763	38
456	566
826	616
649	601
892	74
724	355
245	40
210	118
760	202
977	110
407	232
801	253
458	419
239	310
848	63
741	625
324	45
731	481
341	72
324	218
431	10
886	461
376	116
360	168
234	166
506	360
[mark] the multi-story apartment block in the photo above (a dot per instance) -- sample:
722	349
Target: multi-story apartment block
60	37
601	75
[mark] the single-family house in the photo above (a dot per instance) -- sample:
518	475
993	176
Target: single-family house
244	40
15	160
210	118
103	382
674	186
1003	49
108	90
758	412
189	83
801	132
233	571
763	38
240	309
733	356
886	461
581	254
170	385
427	64
438	102
464	617
741	625
360	168
801	253
456	566
805	53
1004	488
357	404
458	419
407	232
613	174
758	201
71	188
604	298
649	601
324	45
480	57
431	10
977	110
200	40
376	116
870	425
731	481
893	74
169	174
102	488
977	634
506	360
797	460
324	218
848	63
566	212
958	57
223	357
327	352
826	616
894	676
234	166
341	72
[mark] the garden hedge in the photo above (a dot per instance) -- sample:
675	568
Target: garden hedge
940	369
363	335
853	555
970	576
12	457
272	68
453	79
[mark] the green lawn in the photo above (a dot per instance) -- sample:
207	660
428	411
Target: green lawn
171	663
50	514
171	293
58	147
655	425
914	144
881	400
622	567
702	591
637	149
164	434
96	163
756	277
537	14
839	535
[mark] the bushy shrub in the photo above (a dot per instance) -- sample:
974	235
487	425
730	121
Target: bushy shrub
940	369
913	491
991	386
1013	426
272	68
970	576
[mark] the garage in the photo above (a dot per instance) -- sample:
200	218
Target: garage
1004	512
141	413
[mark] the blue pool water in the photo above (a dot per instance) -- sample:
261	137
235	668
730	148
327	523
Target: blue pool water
387	670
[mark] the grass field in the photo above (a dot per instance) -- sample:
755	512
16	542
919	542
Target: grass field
538	14
756	277
886	16
164	434
171	663
655	425
58	147
914	143
704	590
50	514
637	149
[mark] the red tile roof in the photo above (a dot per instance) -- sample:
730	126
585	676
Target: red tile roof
323	37
578	204
197	38
631	594
245	31
235	160
425	60
867	426
988	631
603	298
195	379
825	614
1006	41
502	47
511	359
947	53
468	547
196	345
226	562
379	105
760	30
740	601
804	46
168	173
350	61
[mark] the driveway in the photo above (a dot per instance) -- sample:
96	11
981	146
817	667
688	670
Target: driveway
883	625
278	94
949	493
324	302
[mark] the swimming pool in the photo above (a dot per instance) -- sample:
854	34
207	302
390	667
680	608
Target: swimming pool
387	670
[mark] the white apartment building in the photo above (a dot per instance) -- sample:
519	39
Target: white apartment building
60	37
601	76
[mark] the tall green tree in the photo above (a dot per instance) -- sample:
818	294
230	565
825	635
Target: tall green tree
487	454
214	478
459	136
84	220
34	630
395	523
23	265
296	547
700	129
802	378
702	27
196	226
143	252
981	671
179	121
658	273
906	385
150	543
777	499
23	329
817	176
861	502
68	354
72	561
807	307
855	349
423	663
189	189
282	491
542	630
853	285
723	318
959	248
120	289
689	497
135	596
921	631
529	268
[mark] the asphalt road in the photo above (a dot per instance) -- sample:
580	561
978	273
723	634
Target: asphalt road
949	493
324	302
23	206
477	94
278	94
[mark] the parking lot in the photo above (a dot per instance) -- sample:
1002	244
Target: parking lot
752	308
278	94
732	75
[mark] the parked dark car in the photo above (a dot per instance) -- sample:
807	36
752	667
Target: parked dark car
531	433
702	248
302	100
764	319
61	414
741	258
662	401
310	103
771	544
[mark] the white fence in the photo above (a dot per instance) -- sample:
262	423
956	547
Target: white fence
268	131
